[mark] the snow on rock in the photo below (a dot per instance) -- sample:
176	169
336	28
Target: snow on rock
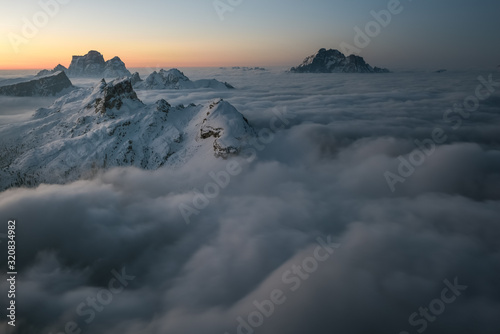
334	61
48	85
175	79
58	68
115	68
212	84
135	78
91	129
223	122
108	96
171	79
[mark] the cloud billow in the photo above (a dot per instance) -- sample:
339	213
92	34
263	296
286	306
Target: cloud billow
322	176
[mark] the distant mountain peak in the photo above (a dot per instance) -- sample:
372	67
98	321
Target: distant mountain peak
48	85
166	79
115	68
92	65
334	61
175	79
58	68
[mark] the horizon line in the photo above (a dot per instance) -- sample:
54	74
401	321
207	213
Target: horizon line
151	67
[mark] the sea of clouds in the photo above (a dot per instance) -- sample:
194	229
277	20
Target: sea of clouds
373	258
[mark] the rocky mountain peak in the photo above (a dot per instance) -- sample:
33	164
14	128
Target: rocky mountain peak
135	78
175	79
115	67
58	68
93	65
223	122
163	106
48	85
334	61
112	95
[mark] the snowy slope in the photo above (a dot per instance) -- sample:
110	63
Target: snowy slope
91	129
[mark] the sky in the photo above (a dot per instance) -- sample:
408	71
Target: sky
184	33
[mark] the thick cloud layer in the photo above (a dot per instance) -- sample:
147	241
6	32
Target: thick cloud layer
321	177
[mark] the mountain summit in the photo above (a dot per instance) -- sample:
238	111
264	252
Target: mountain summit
175	79
334	61
93	65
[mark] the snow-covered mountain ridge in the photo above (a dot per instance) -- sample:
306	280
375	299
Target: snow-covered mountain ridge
92	65
106	126
175	79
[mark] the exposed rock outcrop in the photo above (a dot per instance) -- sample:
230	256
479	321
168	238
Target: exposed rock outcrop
334	61
93	65
108	96
48	85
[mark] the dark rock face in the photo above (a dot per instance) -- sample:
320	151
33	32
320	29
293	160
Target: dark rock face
107	96
334	61
48	85
93	65
380	70
163	106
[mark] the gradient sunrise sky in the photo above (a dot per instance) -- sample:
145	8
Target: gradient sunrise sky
150	33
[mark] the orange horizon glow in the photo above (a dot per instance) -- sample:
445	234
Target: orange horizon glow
160	66
37	57
148	51
137	63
